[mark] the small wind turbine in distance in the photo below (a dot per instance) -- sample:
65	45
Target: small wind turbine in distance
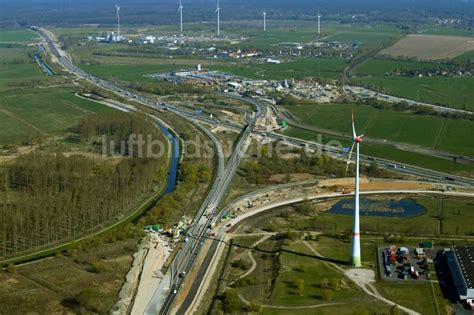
355	258
117	6
319	25
180	10
264	21
218	11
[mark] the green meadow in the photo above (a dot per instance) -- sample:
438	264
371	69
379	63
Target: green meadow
379	67
32	112
17	36
428	131
456	92
389	152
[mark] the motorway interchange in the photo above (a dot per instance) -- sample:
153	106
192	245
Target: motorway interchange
186	256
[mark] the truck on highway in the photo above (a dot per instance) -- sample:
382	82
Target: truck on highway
211	226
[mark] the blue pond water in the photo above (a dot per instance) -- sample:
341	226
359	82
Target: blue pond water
173	172
379	208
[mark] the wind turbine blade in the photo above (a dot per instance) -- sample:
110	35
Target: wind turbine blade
354	135
349	159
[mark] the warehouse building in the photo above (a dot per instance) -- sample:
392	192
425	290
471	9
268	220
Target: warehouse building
461	264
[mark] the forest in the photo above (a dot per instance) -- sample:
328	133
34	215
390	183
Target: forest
164	12
51	197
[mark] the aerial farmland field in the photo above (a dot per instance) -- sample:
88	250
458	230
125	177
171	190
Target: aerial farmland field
430	47
428	131
17	36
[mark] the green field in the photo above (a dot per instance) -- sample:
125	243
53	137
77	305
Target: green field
17	69
390	152
456	92
28	106
17	36
297	69
417	296
33	112
466	56
287	267
379	67
445	30
428	131
131	73
313	272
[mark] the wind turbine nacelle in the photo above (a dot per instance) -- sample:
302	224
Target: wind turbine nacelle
358	139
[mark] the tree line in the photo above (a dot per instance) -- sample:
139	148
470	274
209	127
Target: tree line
49	197
259	169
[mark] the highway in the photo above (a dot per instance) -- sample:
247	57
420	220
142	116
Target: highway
207	214
184	259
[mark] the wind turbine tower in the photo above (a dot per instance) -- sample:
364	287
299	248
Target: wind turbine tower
355	258
117	6
218	11
319	25
264	21
180	10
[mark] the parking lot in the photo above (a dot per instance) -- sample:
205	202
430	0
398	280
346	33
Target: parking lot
404	264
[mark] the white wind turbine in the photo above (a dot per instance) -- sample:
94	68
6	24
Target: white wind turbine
180	10
319	25
218	11
264	21
117	6
355	258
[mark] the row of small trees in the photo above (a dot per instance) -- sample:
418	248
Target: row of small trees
257	170
50	197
